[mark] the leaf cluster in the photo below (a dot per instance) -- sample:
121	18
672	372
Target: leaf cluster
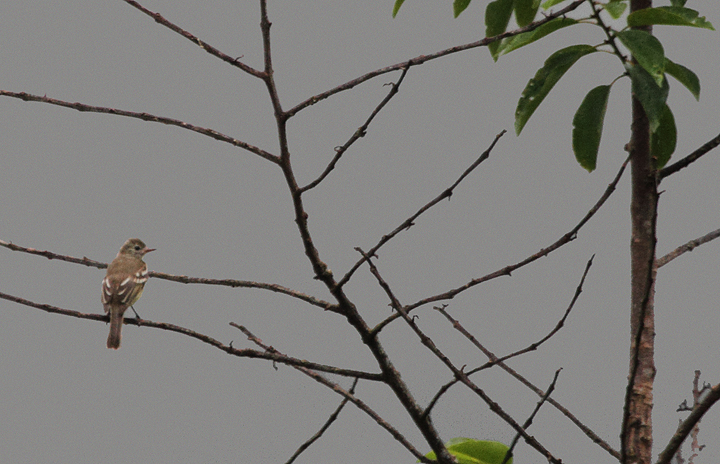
643	61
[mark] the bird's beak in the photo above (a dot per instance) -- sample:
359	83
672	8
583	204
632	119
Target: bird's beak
148	250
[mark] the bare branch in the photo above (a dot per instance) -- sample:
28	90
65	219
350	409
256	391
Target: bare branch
424	58
686	426
689	159
494	360
459	374
145	117
507	270
325	426
183	279
50	255
55	310
269	80
560	323
322	273
349	396
409	222
245	353
205	46
248	284
529	420
362	130
689	246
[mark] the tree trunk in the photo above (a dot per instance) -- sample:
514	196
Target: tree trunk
637	427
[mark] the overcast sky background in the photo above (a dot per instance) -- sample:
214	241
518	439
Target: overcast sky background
81	184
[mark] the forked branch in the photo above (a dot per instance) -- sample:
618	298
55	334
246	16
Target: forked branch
409	222
432	56
204	45
507	270
344	393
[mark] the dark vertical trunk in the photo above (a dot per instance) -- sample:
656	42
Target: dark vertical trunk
637	426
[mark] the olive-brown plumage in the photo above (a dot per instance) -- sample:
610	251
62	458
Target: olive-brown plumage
123	285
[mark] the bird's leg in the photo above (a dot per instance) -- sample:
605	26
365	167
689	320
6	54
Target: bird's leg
136	314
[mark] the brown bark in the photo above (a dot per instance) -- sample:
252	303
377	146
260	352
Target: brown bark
637	426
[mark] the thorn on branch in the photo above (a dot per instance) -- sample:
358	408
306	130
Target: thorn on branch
408	225
684	407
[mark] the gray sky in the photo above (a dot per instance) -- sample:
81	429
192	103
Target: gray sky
81	184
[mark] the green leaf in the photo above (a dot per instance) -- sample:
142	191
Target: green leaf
459	6
588	125
647	50
545	79
668	15
550	4
525	11
615	9
664	139
684	76
651	96
469	451
497	17
396	8
678	2
520	40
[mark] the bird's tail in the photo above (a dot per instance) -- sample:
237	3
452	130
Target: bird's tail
116	320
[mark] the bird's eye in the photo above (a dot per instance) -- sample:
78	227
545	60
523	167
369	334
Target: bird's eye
137	247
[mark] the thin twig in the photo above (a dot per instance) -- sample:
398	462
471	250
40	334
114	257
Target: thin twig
689	246
145	117
608	32
686	426
507	270
244	353
268	78
459	374
344	393
561	322
689	159
182	279
362	130
533	346
409	222
248	284
50	255
424	58
494	360
333	417
528	422
205	46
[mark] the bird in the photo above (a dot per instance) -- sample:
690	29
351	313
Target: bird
123	285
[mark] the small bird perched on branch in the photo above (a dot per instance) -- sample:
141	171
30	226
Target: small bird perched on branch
123	285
